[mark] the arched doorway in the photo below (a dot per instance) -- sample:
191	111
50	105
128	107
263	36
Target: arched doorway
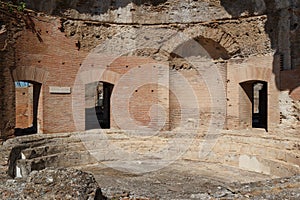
196	59
254	104
97	105
27	96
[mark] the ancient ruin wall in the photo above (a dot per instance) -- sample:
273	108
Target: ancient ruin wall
63	41
10	27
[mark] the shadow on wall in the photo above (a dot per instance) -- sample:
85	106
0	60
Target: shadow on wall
279	14
83	6
25	131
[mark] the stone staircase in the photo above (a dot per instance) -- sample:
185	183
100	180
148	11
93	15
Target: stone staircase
258	151
37	152
243	156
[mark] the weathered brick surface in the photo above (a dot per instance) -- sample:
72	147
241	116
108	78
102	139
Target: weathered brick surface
7	89
243	41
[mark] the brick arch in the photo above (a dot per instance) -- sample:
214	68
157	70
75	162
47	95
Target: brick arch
258	68
100	75
110	77
254	73
38	77
86	77
251	74
30	74
216	34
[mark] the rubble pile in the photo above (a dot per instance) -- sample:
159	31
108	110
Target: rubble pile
52	184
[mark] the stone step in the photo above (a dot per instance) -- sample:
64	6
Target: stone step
52	148
255	152
256	164
234	148
226	151
63	159
28	139
265	140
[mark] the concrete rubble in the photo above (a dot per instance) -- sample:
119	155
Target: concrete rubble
52	184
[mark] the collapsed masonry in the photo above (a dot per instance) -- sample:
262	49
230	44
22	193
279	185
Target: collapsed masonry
52	184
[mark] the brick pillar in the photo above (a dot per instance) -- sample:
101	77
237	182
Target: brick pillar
7	93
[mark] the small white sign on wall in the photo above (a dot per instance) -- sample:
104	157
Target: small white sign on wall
59	90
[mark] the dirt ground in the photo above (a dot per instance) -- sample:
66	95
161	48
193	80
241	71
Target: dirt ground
180	180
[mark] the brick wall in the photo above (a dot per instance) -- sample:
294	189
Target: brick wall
55	59
7	89
239	106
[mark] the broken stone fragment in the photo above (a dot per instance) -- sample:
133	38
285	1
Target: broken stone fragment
53	184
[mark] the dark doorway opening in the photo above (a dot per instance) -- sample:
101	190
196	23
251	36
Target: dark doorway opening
27	102
102	107
97	110
260	105
254	104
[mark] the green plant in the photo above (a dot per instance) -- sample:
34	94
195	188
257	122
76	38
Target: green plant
10	6
21	7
